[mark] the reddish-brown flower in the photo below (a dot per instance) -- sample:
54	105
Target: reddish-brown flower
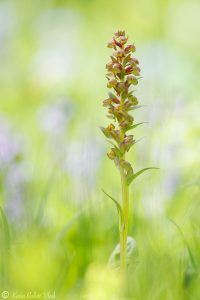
123	72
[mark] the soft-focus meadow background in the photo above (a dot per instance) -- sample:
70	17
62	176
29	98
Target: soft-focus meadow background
57	229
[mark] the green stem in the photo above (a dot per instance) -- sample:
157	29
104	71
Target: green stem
125	210
124	226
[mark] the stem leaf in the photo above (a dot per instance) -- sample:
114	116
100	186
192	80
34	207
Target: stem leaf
118	206
133	176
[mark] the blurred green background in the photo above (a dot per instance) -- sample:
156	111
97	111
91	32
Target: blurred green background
57	229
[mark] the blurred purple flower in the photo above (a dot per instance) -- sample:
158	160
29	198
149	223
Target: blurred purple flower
10	145
15	184
12	170
16	176
54	118
171	183
83	158
82	164
14	206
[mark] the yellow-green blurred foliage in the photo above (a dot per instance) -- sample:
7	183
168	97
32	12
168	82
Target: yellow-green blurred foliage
53	161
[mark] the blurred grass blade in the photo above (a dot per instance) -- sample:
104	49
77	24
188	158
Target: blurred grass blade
4	249
6	231
117	205
192	258
133	176
40	211
61	234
